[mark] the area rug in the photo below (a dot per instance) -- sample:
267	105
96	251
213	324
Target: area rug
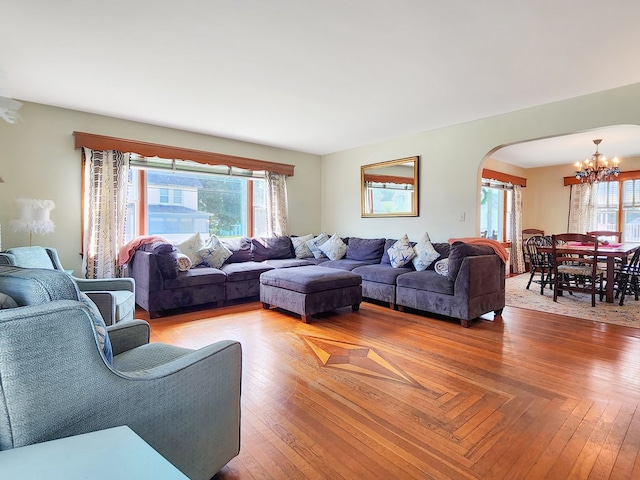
577	305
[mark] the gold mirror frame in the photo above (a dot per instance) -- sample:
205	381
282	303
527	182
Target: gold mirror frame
390	189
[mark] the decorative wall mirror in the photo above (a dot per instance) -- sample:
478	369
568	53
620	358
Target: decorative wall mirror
390	189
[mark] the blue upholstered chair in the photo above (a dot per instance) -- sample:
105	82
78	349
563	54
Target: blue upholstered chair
115	297
57	380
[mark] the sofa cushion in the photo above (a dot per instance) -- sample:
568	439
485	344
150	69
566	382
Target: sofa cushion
265	248
381	273
240	249
334	248
196	276
401	252
190	247
310	279
459	251
314	245
300	246
366	249
427	280
214	253
343	264
426	254
237	272
388	243
288	262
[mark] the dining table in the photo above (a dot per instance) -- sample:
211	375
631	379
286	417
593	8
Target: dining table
610	252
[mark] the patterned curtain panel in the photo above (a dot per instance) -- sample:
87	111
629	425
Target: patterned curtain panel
582	211
105	206
517	255
277	210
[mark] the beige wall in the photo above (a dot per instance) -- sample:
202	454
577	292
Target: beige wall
38	160
451	163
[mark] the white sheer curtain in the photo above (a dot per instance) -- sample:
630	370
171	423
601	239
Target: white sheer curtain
277	207
582	208
517	255
105	206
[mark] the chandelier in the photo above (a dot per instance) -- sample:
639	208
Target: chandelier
597	168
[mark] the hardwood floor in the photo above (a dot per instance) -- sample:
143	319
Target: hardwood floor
388	395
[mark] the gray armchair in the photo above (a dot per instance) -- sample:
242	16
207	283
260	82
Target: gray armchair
56	380
114	297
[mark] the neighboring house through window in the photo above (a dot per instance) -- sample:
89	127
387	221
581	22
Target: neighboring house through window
176	204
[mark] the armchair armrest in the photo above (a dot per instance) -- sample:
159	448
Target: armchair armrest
108	284
127	335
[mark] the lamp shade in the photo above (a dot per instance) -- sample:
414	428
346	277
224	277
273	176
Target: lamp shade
33	216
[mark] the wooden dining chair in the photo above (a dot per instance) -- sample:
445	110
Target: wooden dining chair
577	272
627	278
607	235
539	262
526	234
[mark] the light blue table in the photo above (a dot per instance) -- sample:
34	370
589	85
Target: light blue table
112	454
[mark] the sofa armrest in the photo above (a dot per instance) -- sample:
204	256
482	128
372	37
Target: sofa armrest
127	335
144	269
480	275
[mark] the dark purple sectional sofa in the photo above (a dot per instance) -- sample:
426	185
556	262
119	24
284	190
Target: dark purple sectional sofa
474	285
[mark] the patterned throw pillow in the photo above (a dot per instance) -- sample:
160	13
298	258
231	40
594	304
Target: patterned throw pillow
214	253
314	245
401	252
6	301
183	262
300	246
100	327
426	254
334	248
190	248
442	267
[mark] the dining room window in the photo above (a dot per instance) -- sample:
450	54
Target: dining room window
496	207
618	208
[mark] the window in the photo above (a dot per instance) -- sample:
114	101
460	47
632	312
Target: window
618	208
177	203
496	206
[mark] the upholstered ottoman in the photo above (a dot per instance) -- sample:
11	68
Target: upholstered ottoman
309	290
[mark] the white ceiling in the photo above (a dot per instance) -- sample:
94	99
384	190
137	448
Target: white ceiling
315	76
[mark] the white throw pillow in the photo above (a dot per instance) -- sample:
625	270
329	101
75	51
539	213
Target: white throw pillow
442	267
214	253
183	262
401	252
314	245
334	248
300	246
190	248
426	254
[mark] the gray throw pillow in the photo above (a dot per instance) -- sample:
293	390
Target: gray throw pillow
269	248
366	249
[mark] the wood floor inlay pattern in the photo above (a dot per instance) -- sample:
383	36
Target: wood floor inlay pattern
356	359
382	394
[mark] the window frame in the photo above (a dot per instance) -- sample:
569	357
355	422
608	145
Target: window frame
620	214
